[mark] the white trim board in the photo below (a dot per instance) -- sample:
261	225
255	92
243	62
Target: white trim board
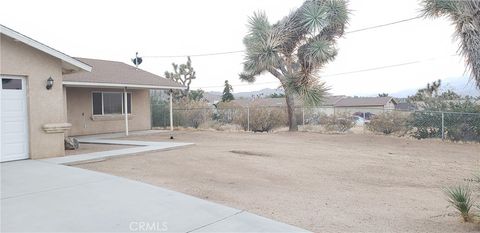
74	63
117	85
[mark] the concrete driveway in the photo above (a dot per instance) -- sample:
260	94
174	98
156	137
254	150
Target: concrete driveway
39	196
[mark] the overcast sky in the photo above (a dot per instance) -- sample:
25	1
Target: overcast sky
115	30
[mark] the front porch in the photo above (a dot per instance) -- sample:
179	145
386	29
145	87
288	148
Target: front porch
114	97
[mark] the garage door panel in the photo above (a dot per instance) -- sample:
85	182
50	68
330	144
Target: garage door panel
14	108
13	120
14	138
14	148
12	127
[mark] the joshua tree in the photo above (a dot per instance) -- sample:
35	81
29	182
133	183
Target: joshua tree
183	74
465	15
227	92
295	48
430	91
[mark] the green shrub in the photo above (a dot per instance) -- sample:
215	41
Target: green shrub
460	198
388	123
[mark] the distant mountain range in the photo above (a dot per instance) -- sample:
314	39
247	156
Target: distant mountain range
460	85
213	96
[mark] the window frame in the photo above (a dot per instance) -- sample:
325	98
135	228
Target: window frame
123	104
22	84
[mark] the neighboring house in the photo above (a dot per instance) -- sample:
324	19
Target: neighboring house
373	105
330	105
405	107
328	102
45	93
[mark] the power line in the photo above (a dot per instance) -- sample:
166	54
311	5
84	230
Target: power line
383	25
241	51
347	72
197	55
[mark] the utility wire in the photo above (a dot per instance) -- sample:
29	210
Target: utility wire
383	25
241	51
347	72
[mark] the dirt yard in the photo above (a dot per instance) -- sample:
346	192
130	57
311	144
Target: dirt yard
323	183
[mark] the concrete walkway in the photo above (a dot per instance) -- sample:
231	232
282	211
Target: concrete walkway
142	146
39	196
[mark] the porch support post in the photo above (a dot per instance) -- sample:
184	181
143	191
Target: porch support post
171	110
125	111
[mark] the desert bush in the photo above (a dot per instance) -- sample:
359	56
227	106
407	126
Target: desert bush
388	122
340	122
262	118
226	112
314	117
191	113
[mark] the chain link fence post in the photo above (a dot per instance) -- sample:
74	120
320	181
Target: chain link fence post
443	126
303	116
248	119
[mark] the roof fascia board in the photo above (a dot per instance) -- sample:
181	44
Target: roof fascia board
92	84
44	48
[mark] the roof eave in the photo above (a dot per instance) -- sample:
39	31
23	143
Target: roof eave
68	62
119	85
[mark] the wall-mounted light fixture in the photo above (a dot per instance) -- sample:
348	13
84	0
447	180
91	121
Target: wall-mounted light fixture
49	83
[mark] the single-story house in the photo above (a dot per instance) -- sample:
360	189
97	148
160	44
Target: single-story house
46	95
330	105
95	100
329	101
373	105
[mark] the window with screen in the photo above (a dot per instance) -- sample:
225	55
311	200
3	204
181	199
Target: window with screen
110	103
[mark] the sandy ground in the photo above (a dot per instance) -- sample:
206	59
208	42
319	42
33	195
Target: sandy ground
90	148
323	183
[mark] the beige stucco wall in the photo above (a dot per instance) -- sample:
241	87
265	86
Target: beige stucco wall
44	106
80	115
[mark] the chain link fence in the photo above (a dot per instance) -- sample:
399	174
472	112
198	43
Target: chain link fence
455	126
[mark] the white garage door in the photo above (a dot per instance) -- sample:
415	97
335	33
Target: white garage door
13	119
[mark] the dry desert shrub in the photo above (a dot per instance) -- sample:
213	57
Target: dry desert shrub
388	123
192	113
339	122
262	118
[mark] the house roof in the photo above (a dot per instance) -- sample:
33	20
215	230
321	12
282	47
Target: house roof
273	102
363	101
69	64
404	106
117	74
